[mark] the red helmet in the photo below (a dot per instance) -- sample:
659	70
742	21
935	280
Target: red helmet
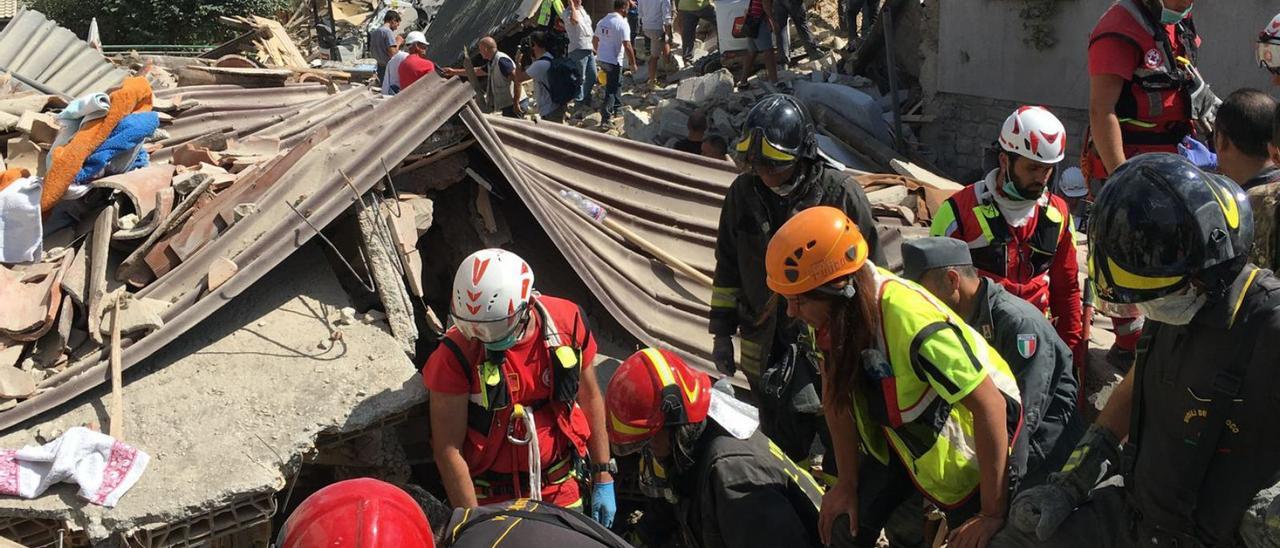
653	389
357	513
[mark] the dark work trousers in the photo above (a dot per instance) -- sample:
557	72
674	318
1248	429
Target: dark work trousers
612	89
784	10
689	27
888	500
868	9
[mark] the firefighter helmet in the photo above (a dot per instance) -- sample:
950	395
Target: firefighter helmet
1160	222
357	513
651	390
778	131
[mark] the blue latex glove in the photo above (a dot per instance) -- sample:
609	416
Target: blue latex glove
1199	154
603	504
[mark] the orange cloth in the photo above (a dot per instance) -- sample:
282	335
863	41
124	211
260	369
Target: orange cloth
13	174
133	96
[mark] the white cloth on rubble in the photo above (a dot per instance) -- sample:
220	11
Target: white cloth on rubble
21	234
103	468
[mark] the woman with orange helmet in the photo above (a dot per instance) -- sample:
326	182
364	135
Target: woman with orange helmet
902	375
702	452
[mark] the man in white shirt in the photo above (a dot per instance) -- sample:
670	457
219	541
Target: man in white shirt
655	19
391	84
577	25
613	37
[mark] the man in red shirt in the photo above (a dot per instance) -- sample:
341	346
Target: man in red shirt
1020	235
416	65
513	378
1142	98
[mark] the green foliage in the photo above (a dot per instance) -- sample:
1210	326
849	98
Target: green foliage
1037	21
155	21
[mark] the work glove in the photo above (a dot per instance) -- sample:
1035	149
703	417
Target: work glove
1198	154
722	354
1260	526
1041	509
603	503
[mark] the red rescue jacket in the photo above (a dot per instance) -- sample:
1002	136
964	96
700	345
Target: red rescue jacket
1036	261
1155	105
565	336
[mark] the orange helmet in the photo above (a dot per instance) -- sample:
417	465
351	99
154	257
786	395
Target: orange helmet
357	513
653	389
816	246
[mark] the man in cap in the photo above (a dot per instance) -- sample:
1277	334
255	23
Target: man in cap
416	65
1040	361
1243	141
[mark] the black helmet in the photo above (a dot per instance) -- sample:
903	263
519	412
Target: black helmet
1161	222
778	131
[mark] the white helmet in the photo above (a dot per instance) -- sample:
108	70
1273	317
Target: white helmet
1036	134
491	294
1269	46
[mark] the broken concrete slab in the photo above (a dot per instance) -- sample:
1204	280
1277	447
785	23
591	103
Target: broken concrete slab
405	231
672	119
268	403
638	125
700	89
16	383
383	265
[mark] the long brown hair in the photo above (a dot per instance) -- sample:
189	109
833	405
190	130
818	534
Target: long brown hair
855	326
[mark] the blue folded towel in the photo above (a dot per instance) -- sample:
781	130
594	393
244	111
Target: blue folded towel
127	138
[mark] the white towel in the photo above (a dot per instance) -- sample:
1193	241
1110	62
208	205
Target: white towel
103	468
21	235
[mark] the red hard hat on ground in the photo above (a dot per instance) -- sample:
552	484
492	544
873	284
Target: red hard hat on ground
358	513
653	389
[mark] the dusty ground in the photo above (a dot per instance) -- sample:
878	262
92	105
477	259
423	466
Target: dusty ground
259	380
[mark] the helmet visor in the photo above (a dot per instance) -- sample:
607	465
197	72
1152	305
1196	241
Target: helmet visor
1269	56
491	331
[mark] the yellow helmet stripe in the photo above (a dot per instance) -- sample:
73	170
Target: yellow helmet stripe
1129	280
768	150
624	428
666	375
1230	209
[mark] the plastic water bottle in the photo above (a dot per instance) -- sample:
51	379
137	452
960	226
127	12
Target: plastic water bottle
592	209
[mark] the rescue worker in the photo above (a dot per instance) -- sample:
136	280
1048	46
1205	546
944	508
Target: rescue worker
1021	235
702	454
1269	49
1040	361
1197	410
357	512
1242	138
782	175
904	377
513	377
1145	95
524	523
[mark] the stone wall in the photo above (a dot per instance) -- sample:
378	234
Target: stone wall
965	125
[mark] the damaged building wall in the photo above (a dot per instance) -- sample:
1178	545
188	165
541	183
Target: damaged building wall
972	83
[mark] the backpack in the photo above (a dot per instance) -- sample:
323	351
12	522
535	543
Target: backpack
533	523
564	80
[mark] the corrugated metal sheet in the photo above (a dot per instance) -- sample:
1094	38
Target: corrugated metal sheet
669	198
8	8
288	113
315	185
40	50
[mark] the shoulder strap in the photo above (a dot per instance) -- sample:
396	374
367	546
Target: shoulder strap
479	417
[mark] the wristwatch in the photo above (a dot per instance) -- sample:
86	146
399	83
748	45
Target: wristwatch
610	467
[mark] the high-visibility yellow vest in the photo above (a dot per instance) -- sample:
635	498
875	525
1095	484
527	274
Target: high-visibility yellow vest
911	406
